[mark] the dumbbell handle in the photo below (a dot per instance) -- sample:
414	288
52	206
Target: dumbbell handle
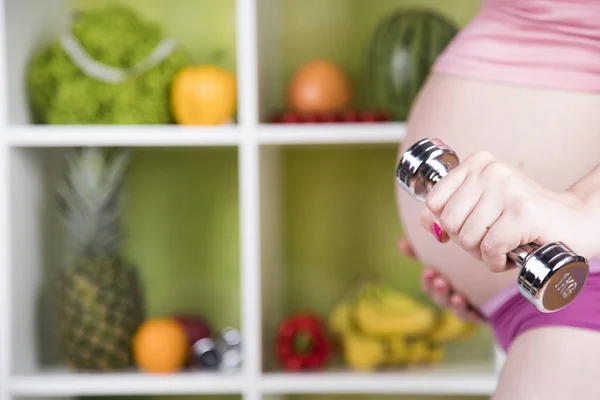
439	169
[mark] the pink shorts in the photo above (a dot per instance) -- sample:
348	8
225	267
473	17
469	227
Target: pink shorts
509	314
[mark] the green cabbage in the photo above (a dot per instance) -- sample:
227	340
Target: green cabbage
61	93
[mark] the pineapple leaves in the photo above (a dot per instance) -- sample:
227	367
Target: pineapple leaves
89	201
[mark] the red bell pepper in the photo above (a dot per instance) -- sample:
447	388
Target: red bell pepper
302	343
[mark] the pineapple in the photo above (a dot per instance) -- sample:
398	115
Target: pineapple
98	295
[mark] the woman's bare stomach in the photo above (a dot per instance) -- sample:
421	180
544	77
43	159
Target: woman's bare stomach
553	137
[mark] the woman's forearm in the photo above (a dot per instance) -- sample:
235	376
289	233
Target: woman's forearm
587	190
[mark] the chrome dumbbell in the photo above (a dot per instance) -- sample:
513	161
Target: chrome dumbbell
550	275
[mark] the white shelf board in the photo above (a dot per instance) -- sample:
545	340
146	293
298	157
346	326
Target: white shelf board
122	135
458	380
332	133
64	383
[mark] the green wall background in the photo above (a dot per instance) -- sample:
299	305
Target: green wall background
341	224
339	216
182	231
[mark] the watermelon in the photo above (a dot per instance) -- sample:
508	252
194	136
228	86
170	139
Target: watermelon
400	55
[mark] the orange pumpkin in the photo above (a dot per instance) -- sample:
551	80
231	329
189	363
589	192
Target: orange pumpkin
319	86
203	95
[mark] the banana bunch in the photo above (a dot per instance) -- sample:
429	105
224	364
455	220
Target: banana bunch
380	327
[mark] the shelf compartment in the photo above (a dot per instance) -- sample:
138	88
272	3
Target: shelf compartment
144	136
294	32
205	30
181	231
329	221
65	383
389	132
475	379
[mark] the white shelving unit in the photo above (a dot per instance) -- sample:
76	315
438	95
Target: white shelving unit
23	23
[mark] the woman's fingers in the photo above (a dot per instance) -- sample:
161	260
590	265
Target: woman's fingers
498	242
406	248
458	304
443	295
483	217
427	280
441	193
451	201
441	292
429	223
462	308
459	207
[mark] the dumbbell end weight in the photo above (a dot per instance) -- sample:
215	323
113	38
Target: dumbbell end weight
550	276
423	165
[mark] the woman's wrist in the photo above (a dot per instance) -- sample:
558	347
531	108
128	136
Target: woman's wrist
582	227
587	228
591	211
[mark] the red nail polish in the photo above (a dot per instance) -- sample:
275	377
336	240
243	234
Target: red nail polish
437	231
428	275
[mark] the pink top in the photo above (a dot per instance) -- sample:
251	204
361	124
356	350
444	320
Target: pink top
548	43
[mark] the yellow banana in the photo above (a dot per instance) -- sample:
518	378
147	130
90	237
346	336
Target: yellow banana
437	353
450	327
340	319
363	352
422	351
393	314
398	351
419	351
378	327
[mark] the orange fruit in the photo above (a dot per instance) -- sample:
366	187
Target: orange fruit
203	95
160	345
319	86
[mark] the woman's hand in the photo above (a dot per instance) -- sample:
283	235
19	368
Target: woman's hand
439	289
489	208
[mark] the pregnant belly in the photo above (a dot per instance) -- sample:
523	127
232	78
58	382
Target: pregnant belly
553	137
